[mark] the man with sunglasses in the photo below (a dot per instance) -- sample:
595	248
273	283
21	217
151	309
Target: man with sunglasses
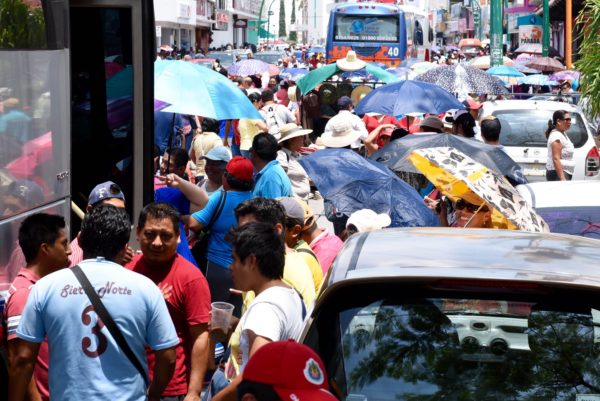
465	215
106	193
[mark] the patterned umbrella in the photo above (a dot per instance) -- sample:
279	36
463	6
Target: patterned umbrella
538	79
422	67
458	176
249	67
463	79
484	62
566	75
293	74
546	64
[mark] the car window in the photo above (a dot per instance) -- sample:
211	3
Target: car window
466	349
528	127
270	58
581	221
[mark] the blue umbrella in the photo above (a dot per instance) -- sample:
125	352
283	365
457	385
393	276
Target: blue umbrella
378	65
359	74
352	182
538	79
195	90
504	71
248	67
293	74
405	97
402	72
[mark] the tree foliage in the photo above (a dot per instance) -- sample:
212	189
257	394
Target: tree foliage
21	27
293	35
589	52
282	27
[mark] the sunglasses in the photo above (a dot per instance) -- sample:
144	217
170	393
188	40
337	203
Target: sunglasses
462	205
566	119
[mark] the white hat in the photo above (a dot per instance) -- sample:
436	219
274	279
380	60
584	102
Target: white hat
340	134
367	220
291	130
351	62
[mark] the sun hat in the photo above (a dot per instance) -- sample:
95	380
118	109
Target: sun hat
293	370
218	153
291	130
309	217
341	134
367	220
351	62
432	122
105	190
293	210
241	168
452	117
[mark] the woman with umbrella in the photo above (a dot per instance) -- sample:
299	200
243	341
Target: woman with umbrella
559	163
465	214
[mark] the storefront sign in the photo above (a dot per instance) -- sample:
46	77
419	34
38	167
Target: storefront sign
240	23
222	19
530	34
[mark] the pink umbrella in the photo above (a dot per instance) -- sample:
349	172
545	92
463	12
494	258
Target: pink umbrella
525	57
273	70
35	153
566	75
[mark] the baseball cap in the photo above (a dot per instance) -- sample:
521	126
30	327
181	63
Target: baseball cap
309	216
105	190
293	370
367	220
293	210
218	153
432	122
345	101
386	132
472	104
241	168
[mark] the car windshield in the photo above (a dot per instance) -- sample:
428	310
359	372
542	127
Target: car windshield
528	127
270	58
582	221
466	349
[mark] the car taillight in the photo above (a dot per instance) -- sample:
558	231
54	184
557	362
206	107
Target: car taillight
427	55
592	162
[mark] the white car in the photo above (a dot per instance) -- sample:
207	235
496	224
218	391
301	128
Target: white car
524	123
569	207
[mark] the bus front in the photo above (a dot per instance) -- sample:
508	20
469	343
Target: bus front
375	31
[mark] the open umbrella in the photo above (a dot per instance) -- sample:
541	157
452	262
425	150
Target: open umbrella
352	182
403	97
463	79
546	64
249	67
504	71
565	75
484	62
520	65
538	79
422	67
315	77
293	74
402	72
395	155
192	89
458	176
525	57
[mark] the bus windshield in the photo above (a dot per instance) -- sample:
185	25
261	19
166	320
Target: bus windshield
364	28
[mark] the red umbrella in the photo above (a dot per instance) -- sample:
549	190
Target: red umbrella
35	153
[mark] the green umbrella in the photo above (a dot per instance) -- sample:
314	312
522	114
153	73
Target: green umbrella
315	77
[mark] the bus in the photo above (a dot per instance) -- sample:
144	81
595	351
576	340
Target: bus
76	109
378	32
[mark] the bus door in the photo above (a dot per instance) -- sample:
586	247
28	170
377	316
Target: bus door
112	53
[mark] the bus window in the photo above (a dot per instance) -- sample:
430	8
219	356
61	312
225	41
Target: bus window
360	28
418	35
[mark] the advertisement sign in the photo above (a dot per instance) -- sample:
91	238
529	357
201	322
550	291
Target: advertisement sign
530	34
496	33
358	28
222	21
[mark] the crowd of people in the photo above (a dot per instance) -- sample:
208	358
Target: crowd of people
230	222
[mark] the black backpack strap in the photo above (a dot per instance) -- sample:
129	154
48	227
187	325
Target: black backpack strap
217	213
108	321
301	302
310	252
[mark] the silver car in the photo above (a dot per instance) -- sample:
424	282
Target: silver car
461	314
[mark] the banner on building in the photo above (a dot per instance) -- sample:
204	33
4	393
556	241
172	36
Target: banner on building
530	34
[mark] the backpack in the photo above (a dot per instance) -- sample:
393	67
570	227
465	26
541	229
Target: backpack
271	119
311	104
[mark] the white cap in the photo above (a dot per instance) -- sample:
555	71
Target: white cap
367	220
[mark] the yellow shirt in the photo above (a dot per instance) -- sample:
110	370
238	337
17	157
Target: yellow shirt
312	262
248	130
296	274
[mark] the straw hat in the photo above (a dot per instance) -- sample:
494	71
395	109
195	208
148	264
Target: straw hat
359	92
291	130
341	134
351	62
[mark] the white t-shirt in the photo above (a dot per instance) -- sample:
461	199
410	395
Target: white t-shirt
566	154
276	314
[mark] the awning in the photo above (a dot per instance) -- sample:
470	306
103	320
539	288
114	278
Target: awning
263	33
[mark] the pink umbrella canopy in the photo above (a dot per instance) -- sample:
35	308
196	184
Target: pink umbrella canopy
525	57
273	70
546	64
566	75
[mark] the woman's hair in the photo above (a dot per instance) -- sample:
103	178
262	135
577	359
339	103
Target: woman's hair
348	232
292	93
558	115
254	97
210	125
467	122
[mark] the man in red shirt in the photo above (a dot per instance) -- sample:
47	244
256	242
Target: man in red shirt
185	291
45	245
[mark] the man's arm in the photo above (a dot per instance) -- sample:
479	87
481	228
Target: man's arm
32	391
163	371
199	358
21	361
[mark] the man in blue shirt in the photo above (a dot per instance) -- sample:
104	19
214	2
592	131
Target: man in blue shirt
270	180
86	363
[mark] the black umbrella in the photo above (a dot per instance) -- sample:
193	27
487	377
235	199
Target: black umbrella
395	155
463	79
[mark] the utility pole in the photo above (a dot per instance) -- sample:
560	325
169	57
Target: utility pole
496	32
568	32
546	29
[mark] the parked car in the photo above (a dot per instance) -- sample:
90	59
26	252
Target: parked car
270	57
228	57
524	123
460	314
569	207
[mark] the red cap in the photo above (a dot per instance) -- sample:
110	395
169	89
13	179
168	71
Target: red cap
472	104
293	370
241	168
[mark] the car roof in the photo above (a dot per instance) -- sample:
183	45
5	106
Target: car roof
561	193
489	107
426	253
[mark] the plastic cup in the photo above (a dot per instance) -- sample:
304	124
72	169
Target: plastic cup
221	316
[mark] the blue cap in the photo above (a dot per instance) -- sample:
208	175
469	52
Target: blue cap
345	101
218	153
106	190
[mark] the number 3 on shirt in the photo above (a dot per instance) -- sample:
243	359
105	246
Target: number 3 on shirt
86	342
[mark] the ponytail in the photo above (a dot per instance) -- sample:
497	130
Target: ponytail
551	126
558	115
